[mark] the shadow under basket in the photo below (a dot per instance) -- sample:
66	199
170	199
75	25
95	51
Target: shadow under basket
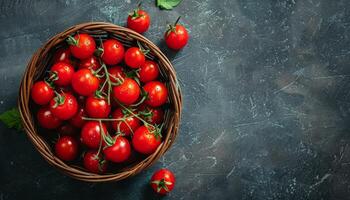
36	69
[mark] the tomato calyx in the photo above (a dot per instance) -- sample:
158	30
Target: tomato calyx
135	13
162	184
72	41
99	94
101	163
146	113
142	48
99	51
156	130
172	27
59	99
53	77
134	74
49	82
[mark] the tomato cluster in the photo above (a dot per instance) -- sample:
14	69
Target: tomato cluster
104	101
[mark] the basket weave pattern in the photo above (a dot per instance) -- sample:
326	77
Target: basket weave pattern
37	66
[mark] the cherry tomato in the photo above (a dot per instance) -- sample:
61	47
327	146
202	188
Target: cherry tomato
46	119
64	106
157	93
84	82
77	120
42	93
129	126
151	115
64	73
139	21
67	129
94	162
128	92
149	71
97	107
163	181
119	151
113	52
63	55
82	46
91	134
90	63
66	148
144	141
176	37
134	57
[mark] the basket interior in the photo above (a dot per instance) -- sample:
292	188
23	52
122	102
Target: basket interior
45	62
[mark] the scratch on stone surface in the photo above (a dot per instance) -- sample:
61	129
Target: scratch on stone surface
214	161
329	77
341	153
218	139
180	58
323	179
247	124
252	108
230	172
288	85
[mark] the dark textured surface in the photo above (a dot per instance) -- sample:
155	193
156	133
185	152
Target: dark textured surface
266	99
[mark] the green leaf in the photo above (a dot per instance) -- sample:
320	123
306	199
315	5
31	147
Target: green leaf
12	119
168	4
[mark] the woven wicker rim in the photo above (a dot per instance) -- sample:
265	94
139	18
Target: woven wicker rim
36	68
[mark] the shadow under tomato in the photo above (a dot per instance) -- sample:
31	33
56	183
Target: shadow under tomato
168	52
148	193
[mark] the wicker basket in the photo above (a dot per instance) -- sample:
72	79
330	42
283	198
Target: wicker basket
42	58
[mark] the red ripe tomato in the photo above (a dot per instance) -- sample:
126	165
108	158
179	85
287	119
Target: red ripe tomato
157	93
91	134
144	141
176	37
94	162
119	151
129	126
46	119
84	82
149	71
151	115
66	148
134	57
139	21
42	93
128	92
64	106
62	55
77	120
113	52
66	129
82	46
90	63
116	72
97	107
64	73
163	181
